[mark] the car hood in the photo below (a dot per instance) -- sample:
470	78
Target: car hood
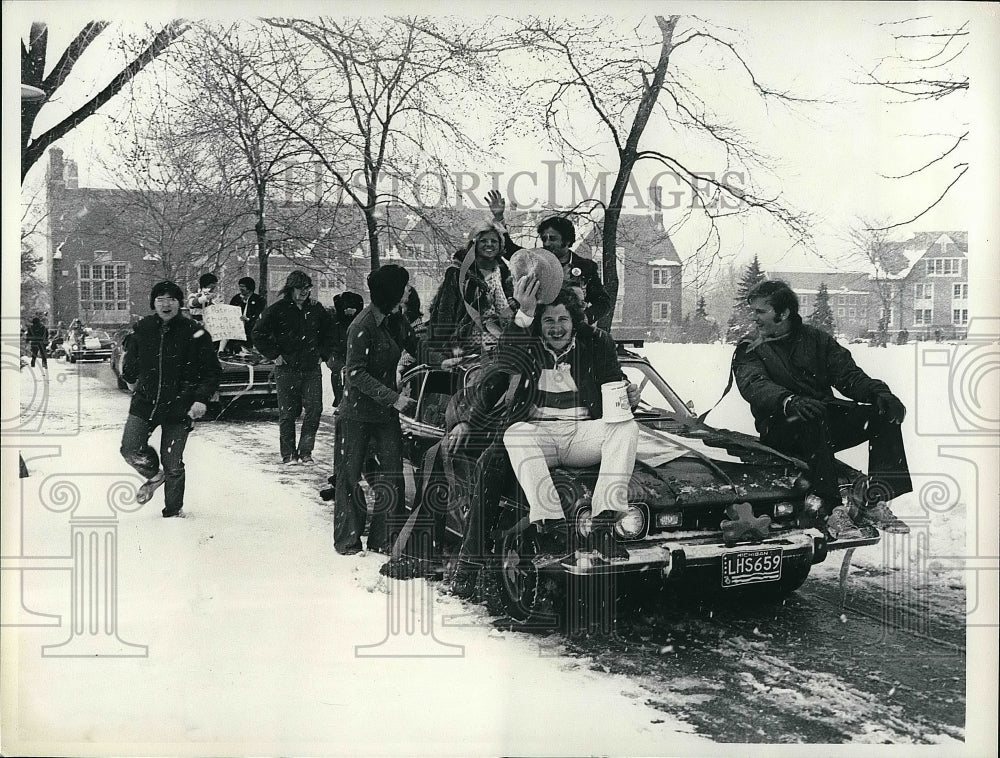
714	467
718	466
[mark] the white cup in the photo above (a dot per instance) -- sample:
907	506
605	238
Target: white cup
614	397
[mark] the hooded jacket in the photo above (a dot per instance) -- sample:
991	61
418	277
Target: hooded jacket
173	365
302	336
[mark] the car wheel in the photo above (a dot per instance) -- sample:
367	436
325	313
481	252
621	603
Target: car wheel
72	358
526	595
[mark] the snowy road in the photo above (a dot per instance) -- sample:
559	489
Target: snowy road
253	626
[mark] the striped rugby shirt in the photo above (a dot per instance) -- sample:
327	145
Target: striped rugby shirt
558	395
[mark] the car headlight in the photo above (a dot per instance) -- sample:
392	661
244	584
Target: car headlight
632	524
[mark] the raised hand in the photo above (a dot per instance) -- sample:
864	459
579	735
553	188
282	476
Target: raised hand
496	204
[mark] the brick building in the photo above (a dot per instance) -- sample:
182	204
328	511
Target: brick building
850	296
105	248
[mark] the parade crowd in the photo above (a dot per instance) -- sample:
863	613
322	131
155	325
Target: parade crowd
527	317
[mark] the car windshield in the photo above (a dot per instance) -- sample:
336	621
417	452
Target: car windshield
656	398
100	334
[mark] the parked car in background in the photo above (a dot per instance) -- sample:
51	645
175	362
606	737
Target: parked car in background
679	502
247	380
88	345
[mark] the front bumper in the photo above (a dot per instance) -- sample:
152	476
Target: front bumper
673	557
92	354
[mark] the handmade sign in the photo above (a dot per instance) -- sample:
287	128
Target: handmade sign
223	322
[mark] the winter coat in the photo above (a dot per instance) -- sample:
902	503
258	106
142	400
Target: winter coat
302	336
173	364
251	309
375	342
807	362
341	322
37	333
580	272
450	324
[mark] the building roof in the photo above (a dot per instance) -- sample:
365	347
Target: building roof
805	282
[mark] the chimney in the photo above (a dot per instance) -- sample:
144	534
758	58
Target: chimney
71	175
656	205
56	169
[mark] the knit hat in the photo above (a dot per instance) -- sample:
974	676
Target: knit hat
164	289
387	285
544	265
348	299
296	280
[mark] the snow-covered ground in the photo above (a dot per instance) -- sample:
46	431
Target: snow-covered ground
259	639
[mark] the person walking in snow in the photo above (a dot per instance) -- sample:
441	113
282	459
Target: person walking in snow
296	333
369	413
172	369
37	336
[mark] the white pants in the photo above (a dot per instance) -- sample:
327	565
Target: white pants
535	447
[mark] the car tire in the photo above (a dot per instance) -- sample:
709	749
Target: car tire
72	358
527	596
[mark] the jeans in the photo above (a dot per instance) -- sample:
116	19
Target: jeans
350	507
846	425
535	447
138	453
37	349
298	389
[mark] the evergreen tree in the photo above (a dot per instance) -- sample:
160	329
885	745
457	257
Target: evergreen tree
699	327
741	321
822	315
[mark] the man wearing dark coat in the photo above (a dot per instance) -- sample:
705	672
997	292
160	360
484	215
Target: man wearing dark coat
346	306
173	370
251	306
369	414
296	333
787	371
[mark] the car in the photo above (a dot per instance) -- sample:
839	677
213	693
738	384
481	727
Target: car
674	528
88	345
248	379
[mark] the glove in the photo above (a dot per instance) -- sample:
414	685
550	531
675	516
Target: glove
805	408
891	406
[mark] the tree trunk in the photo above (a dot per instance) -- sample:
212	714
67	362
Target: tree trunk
373	246
262	255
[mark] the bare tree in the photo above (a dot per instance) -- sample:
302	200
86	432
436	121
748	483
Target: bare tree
371	102
926	65
637	82
870	241
55	80
169	207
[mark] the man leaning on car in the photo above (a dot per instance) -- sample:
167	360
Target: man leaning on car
787	371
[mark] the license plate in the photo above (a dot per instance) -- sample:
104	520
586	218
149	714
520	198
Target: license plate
751	566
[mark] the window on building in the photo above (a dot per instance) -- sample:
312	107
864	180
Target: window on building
923	316
661	278
661	311
960	291
945	266
923	291
841	299
852	312
960	316
103	287
840	312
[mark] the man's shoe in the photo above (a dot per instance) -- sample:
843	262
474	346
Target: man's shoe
605	541
551	540
328	493
306	458
464	580
179	513
145	493
352	550
286	459
840	526
881	516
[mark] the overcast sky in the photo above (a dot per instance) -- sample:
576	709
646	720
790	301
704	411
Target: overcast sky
827	158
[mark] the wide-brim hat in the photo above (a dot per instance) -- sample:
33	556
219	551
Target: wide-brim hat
546	268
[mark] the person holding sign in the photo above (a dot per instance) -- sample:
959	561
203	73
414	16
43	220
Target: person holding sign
251	305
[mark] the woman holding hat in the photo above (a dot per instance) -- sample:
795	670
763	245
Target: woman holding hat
474	302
